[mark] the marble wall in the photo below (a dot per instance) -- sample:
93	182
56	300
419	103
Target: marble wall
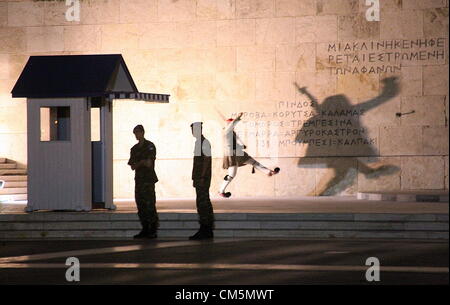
217	58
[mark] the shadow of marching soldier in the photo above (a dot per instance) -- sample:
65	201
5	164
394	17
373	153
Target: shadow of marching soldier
340	135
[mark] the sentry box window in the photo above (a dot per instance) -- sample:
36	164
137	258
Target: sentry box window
55	124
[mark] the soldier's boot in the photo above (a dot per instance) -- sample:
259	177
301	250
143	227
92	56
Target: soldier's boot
144	232
225	195
205	232
152	231
274	172
208	232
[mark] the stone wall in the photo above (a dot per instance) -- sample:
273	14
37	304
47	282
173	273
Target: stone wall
220	57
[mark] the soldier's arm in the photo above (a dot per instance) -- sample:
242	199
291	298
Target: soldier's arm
233	124
144	163
205	167
149	161
132	162
314	102
390	90
206	159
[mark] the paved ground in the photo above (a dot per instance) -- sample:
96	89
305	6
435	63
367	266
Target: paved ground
224	262
279	205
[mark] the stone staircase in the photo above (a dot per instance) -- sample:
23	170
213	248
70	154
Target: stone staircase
15	181
123	225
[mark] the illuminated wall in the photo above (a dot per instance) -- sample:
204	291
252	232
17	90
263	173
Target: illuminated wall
220	57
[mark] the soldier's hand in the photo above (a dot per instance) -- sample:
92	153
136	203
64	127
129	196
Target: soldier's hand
391	86
301	89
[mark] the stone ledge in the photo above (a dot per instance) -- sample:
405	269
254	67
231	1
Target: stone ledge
126	234
230	225
405	196
55	217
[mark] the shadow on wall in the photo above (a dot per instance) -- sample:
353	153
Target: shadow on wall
335	130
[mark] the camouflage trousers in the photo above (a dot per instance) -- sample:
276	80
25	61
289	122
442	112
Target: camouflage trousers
144	193
204	206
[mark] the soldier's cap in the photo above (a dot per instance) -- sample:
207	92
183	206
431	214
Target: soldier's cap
138	127
197	124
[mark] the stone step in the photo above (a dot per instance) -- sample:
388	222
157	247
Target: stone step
8	165
13	190
228	225
406	196
11	178
99	216
120	234
3	160
244	225
8	172
13	197
11	184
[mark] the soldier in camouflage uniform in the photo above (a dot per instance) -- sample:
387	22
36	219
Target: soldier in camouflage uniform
201	176
142	161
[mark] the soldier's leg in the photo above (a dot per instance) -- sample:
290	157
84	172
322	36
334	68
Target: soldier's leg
257	165
232	172
145	192
204	207
153	214
139	195
205	213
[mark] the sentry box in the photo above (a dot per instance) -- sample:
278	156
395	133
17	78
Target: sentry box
67	168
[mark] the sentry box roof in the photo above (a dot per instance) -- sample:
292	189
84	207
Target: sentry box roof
65	76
